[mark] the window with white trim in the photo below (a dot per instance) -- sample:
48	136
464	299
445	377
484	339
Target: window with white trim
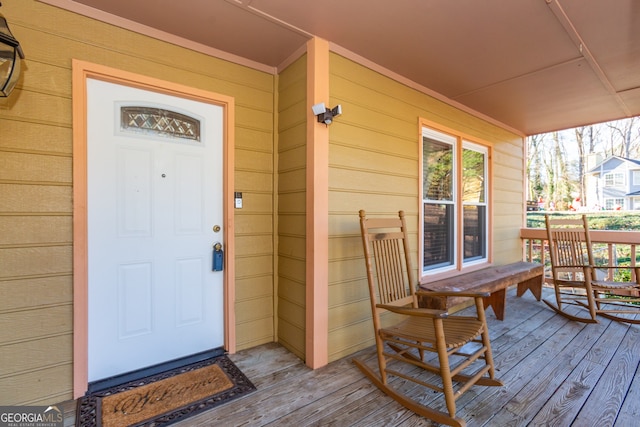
454	185
636	177
614	203
614	179
474	201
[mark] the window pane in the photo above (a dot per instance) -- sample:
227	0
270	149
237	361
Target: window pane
614	179
455	196
473	176
608	180
615	204
438	235
437	170
475	234
158	121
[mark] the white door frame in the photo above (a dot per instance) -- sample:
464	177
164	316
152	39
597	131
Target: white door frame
81	72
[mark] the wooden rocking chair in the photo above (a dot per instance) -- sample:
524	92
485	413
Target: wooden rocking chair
454	348
579	281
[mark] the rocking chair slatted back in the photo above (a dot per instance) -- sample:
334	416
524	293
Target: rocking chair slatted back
388	255
575	276
569	244
391	278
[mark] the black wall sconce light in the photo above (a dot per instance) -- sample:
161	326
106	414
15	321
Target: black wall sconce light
324	114
10	57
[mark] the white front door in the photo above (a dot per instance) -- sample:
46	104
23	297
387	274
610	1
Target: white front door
154	203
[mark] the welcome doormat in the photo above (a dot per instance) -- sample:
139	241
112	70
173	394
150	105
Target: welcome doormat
165	398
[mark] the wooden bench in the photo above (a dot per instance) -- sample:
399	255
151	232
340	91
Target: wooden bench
495	280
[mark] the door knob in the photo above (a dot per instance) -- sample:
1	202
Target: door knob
216	228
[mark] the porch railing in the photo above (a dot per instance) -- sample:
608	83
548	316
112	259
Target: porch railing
610	247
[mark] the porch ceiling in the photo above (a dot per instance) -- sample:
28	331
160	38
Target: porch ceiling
535	65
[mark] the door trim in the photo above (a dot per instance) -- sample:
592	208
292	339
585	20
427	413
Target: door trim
81	71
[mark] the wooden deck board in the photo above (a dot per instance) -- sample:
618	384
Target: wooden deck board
607	397
630	411
556	372
541	359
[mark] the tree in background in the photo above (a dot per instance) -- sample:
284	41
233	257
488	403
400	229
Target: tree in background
550	172
585	138
557	162
534	168
624	137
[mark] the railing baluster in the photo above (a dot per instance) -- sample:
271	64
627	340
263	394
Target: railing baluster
633	262
611	261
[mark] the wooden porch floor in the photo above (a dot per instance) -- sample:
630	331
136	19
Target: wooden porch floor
556	373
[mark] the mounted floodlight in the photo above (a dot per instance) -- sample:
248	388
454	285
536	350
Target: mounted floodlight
324	114
318	109
10	57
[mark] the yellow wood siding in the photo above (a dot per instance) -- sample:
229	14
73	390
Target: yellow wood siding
291	206
36	188
374	166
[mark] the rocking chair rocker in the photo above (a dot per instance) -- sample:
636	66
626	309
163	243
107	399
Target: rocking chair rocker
578	281
454	350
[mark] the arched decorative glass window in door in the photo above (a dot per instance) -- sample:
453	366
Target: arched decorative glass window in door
159	121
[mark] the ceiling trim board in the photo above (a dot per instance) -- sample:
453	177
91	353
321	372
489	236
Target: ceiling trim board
117	21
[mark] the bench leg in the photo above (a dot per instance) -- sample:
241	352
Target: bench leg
534	285
497	301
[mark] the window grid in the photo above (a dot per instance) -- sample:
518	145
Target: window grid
614	179
614	203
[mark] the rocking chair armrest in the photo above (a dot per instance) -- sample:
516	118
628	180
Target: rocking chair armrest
411	311
601	267
421	292
577	266
619	267
636	268
613	267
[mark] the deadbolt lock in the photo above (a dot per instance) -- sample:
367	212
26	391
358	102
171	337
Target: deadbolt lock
216	228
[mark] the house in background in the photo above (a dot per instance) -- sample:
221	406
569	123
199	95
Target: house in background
436	100
614	184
